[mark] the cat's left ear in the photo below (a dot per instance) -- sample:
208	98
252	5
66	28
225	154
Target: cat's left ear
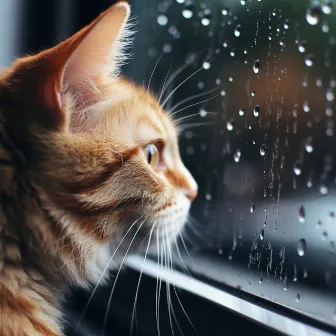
88	59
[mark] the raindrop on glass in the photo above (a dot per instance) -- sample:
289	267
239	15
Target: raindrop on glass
256	66
225	11
223	93
167	48
180	1
297	168
225	44
309	146
313	13
237	31
263	150
252	208
286	26
324	235
262	234
256	110
302	46
242	2
230	125
330	95
327	7
237	155
206	65
302	247
306	107
208	196
162	20
298	297
309	60
205	21
323	189
253	93
187	13
232	53
325	27
302	214
241	112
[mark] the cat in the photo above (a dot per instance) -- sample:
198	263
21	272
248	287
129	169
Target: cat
88	161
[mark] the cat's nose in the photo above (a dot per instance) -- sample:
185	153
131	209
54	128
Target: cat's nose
191	193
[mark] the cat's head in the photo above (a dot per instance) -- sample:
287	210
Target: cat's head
101	154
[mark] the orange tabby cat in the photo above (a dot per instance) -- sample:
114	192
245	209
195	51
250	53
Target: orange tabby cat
85	157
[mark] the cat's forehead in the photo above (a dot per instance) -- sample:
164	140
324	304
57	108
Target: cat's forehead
142	112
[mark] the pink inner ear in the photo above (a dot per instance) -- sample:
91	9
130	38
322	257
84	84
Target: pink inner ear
93	64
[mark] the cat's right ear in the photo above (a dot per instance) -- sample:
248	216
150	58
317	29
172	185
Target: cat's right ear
89	59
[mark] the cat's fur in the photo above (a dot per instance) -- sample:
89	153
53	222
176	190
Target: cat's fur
74	176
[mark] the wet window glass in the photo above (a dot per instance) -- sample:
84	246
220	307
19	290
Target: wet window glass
252	84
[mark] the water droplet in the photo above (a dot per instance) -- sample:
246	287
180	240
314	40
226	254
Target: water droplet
241	112
263	150
302	247
203	113
330	95
327	7
253	93
220	251
242	2
302	46
313	13
230	79
205	21
262	234
298	297
324	235
323	189
187	13
167	48
223	93
162	20
225	11
302	214
225	44
237	155
260	280
306	107
256	110
180	1
256	66
232	53
309	146
309	60
206	65
325	27
297	169
332	215
329	112
252	208
230	125
237	31
286	25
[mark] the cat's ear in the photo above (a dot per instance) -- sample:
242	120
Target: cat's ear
88	59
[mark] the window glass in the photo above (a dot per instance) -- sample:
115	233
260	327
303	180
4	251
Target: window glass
253	85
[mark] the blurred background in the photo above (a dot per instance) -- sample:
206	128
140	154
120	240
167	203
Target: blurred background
257	130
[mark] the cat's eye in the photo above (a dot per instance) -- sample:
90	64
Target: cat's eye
152	154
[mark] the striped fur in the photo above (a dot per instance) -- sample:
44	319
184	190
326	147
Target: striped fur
73	174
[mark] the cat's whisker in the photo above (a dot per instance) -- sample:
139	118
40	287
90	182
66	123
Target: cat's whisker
158	249
180	257
159	291
193	74
138	285
186	249
167	262
183	127
116	279
180	69
192	98
164	83
200	102
102	275
151	76
184	311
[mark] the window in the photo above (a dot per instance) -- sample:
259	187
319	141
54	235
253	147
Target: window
256	101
